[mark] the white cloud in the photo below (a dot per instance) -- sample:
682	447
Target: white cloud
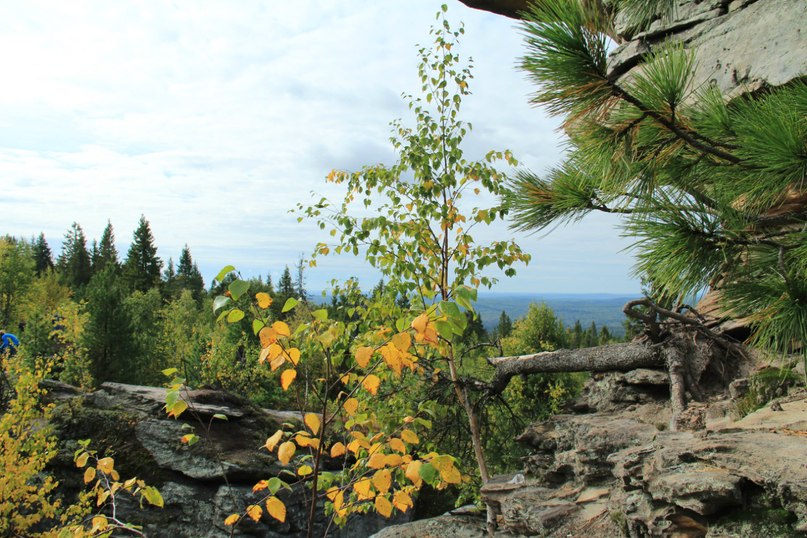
214	119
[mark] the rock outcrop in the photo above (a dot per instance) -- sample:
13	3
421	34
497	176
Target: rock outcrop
613	469
201	485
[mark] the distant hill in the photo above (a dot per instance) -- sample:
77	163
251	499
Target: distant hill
602	308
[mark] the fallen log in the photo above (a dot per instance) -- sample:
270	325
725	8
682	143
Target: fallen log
613	358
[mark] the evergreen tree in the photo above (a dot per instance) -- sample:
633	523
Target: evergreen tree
142	266
505	326
591	338
74	262
43	257
107	253
286	287
171	286
711	190
107	335
188	274
299	281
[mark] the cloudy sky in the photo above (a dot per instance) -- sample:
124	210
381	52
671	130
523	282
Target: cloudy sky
213	119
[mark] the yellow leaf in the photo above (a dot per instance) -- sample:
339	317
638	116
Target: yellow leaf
81	460
345	379
232	519
392	356
363	489
382	480
392	460
255	512
337	497
371	383
276	508
451	475
89	475
402	341
376	461
274	351
363	355
397	445
304	440
420	322
413	473
281	328
278	362
383	506
351	406
294	355
286	451
260	486
354	446
338	450
272	442
410	437
312	421
287	377
99	523
106	465
267	336
264	300
402	501
304	470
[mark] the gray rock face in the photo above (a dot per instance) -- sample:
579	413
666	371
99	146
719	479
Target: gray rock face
739	45
201	485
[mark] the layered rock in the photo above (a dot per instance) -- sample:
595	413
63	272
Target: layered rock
614	469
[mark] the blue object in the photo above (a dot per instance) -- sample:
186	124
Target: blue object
9	342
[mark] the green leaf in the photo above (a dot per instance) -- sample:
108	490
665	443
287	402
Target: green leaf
220	301
152	496
321	314
274	484
257	325
428	473
237	288
168	372
291	302
444	328
223	272
235	315
220	416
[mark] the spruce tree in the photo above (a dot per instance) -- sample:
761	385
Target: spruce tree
188	274
285	287
43	257
107	253
711	190
74	262
142	266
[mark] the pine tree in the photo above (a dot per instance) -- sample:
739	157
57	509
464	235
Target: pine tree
43	257
74	262
710	190
107	254
142	266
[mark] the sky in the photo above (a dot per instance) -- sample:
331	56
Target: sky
214	119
